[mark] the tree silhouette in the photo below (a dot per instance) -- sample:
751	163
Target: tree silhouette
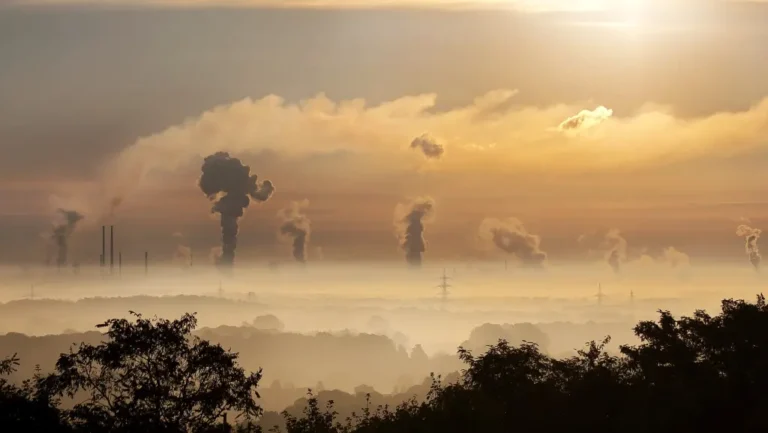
693	373
702	372
153	376
25	407
696	369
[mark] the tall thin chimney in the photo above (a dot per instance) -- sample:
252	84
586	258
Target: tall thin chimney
120	263
111	248
103	245
146	262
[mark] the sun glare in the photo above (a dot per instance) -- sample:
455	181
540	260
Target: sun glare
633	11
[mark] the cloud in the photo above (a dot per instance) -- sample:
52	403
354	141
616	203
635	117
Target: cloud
520	5
511	138
586	119
675	258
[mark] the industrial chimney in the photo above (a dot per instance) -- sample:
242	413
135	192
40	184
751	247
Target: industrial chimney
111	248
103	245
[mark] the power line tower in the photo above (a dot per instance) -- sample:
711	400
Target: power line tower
444	286
600	296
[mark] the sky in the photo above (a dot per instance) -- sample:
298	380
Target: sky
572	117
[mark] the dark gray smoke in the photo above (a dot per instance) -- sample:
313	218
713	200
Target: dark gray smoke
296	225
231	186
428	146
511	236
62	230
409	220
751	236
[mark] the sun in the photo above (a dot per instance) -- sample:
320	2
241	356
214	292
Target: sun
633	11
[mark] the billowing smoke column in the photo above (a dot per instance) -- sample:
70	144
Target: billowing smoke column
231	186
586	119
511	236
62	230
428	146
409	221
751	236
610	244
614	261
296	225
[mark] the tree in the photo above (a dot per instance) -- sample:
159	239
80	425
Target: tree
696	373
27	407
314	420
696	369
154	376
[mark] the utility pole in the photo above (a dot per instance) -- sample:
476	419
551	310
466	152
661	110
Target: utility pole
443	286
111	249
600	294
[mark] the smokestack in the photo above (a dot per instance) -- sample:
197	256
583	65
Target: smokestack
231	186
103	245
111	248
409	219
120	263
146	262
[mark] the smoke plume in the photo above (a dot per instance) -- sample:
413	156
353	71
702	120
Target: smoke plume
231	186
214	255
675	257
409	221
296	225
586	119
511	236
428	146
751	236
611	245
183	253
62	230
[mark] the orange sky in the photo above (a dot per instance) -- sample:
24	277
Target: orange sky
570	123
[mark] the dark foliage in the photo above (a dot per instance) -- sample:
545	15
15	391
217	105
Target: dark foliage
697	373
707	373
148	376
27	407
